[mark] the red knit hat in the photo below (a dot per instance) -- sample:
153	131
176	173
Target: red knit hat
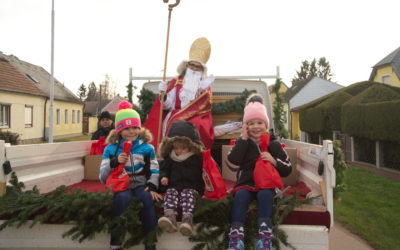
255	109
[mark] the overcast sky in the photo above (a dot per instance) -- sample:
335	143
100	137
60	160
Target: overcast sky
98	37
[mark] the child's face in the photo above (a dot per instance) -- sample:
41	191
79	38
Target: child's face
130	134
180	150
256	128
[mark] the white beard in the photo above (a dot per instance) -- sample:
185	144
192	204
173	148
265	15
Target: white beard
190	88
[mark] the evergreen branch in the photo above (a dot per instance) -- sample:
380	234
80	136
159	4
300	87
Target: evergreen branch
90	213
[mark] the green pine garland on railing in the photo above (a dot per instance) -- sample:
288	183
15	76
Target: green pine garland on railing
90	213
235	105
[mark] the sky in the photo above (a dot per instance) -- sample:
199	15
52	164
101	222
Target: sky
93	38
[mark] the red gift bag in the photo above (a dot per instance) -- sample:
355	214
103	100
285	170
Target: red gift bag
265	175
118	180
98	146
215	188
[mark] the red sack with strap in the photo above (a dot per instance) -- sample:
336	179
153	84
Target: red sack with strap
118	180
215	188
265	175
97	147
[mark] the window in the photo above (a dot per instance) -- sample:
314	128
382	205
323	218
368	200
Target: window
33	79
66	116
28	116
58	114
73	116
5	115
79	116
385	79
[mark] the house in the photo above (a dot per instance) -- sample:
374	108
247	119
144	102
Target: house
303	92
22	104
283	89
387	70
93	109
68	109
112	106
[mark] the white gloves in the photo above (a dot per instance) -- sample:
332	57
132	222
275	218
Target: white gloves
162	86
204	84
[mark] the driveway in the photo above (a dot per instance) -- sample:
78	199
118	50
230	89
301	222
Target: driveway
342	239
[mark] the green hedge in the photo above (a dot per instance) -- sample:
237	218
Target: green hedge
365	109
325	116
373	114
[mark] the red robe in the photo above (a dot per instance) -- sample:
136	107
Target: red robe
198	111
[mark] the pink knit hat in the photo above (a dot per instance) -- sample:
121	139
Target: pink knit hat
255	109
126	117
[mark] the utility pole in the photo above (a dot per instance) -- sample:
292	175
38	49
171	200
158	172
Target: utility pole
51	114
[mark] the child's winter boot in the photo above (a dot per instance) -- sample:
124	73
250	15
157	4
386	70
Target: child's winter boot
264	235
236	238
168	221
186	227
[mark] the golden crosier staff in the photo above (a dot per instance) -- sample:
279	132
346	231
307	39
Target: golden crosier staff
162	93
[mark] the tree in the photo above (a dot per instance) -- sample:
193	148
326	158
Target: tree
82	92
278	108
320	68
130	89
324	69
92	92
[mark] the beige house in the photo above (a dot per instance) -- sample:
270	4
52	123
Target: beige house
303	92
22	104
68	109
387	70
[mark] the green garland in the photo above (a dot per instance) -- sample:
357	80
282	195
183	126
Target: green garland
235	105
90	213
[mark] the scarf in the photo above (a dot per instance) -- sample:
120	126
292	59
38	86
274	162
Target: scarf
180	158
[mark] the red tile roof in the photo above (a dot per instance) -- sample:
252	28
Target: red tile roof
112	106
12	80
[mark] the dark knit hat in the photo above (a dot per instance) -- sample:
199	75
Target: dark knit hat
184	128
182	132
105	114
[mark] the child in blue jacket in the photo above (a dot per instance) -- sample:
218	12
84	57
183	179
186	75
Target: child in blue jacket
143	177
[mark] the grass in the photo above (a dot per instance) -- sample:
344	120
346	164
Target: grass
76	138
370	207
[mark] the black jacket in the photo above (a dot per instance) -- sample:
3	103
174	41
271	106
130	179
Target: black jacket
185	174
245	154
100	132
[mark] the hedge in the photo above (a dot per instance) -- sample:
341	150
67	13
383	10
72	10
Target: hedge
366	109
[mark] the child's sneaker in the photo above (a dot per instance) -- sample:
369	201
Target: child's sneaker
236	239
186	227
168	222
264	239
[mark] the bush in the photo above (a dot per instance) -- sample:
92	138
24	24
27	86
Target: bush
9	137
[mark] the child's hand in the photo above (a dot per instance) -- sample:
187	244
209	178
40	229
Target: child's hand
122	158
164	181
245	133
156	196
266	156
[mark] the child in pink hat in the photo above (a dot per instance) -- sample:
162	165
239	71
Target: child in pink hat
244	154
